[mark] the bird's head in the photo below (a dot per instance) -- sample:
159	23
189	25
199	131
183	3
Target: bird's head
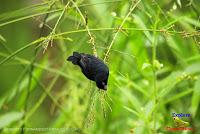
101	85
101	81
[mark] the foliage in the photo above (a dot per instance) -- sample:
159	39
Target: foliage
151	47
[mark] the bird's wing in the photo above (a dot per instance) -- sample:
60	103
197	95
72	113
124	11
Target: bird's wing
83	61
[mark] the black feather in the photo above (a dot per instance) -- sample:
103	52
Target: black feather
73	59
92	67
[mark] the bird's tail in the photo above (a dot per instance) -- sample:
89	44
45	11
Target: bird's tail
75	58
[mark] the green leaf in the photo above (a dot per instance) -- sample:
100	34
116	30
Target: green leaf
9	118
2	38
145	65
2	100
196	98
132	111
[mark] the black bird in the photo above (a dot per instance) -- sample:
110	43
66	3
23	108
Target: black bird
92	67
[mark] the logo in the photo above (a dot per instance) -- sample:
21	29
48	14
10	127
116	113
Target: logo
179	123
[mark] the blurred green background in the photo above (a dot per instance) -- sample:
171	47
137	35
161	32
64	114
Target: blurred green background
152	52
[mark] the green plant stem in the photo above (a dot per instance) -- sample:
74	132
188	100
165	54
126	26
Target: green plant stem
49	39
46	12
31	70
119	29
154	43
92	41
93	29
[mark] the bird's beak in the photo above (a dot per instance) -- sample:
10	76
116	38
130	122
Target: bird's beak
105	87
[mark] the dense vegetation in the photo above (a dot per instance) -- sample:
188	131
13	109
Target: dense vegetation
151	47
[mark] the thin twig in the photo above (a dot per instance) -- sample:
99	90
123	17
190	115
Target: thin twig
50	37
119	29
93	29
92	40
154	44
52	11
31	69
